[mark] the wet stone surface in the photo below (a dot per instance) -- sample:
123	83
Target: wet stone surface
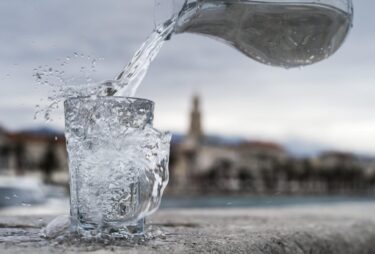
337	229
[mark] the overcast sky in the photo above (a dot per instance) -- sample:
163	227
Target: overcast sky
331	103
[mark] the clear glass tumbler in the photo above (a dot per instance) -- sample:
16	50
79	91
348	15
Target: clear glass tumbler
118	162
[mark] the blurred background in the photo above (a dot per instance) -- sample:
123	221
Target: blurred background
245	134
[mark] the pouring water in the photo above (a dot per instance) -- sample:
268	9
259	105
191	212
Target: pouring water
279	33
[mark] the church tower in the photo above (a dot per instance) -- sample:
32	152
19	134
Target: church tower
188	151
195	130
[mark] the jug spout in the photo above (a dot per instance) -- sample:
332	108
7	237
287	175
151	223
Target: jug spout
286	34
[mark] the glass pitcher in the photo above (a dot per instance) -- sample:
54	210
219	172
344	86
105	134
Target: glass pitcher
274	32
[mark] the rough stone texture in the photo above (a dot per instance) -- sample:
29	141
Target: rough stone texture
339	229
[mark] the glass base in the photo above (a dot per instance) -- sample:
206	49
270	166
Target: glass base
108	228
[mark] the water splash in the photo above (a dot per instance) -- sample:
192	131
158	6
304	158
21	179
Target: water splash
65	80
64	85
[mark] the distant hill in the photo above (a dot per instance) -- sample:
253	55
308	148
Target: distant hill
304	148
42	131
211	139
296	147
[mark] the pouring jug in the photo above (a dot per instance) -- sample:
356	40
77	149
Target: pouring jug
274	32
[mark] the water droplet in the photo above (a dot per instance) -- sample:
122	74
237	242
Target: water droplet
57	227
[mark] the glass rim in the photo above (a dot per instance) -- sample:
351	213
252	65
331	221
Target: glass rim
119	98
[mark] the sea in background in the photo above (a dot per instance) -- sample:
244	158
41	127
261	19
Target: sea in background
258	201
54	200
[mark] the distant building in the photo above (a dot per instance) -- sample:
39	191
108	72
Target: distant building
204	164
4	149
201	164
187	152
34	153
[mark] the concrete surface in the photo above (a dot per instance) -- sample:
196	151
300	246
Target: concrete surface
339	229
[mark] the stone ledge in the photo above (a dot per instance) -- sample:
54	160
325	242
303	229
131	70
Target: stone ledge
338	229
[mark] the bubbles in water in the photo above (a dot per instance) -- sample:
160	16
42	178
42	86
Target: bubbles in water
118	160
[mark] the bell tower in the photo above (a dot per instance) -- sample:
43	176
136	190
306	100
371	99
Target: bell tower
195	130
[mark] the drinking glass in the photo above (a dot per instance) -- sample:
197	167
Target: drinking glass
118	163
